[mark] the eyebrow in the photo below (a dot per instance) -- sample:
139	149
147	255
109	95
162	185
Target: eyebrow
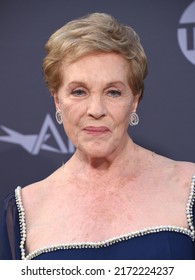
110	84
74	83
115	83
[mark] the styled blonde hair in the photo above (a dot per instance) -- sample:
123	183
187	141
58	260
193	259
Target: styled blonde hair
94	33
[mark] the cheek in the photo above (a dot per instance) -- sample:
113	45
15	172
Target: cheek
121	122
127	109
124	114
71	112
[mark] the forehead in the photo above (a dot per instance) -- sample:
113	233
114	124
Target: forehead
104	66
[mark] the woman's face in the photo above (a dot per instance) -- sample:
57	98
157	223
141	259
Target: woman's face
95	101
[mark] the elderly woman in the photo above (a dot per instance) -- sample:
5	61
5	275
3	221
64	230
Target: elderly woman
113	199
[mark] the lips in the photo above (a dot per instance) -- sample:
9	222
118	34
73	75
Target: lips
96	130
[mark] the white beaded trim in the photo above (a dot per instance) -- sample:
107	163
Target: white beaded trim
108	242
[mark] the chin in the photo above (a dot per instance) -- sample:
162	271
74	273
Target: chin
97	149
97	152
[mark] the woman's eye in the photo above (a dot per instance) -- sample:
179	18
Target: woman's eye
114	93
78	92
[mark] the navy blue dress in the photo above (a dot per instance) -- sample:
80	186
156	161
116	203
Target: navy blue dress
157	243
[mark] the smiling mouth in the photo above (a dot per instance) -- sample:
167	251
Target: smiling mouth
93	130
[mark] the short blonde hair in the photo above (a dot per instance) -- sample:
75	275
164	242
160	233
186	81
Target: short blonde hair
94	33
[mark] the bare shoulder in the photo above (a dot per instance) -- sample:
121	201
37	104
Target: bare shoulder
185	168
184	171
32	194
164	166
36	193
179	172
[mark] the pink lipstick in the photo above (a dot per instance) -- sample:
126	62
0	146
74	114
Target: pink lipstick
96	130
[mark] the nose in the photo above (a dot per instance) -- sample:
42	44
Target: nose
96	107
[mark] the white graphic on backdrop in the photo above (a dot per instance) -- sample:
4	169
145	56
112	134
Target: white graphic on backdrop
186	33
36	142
